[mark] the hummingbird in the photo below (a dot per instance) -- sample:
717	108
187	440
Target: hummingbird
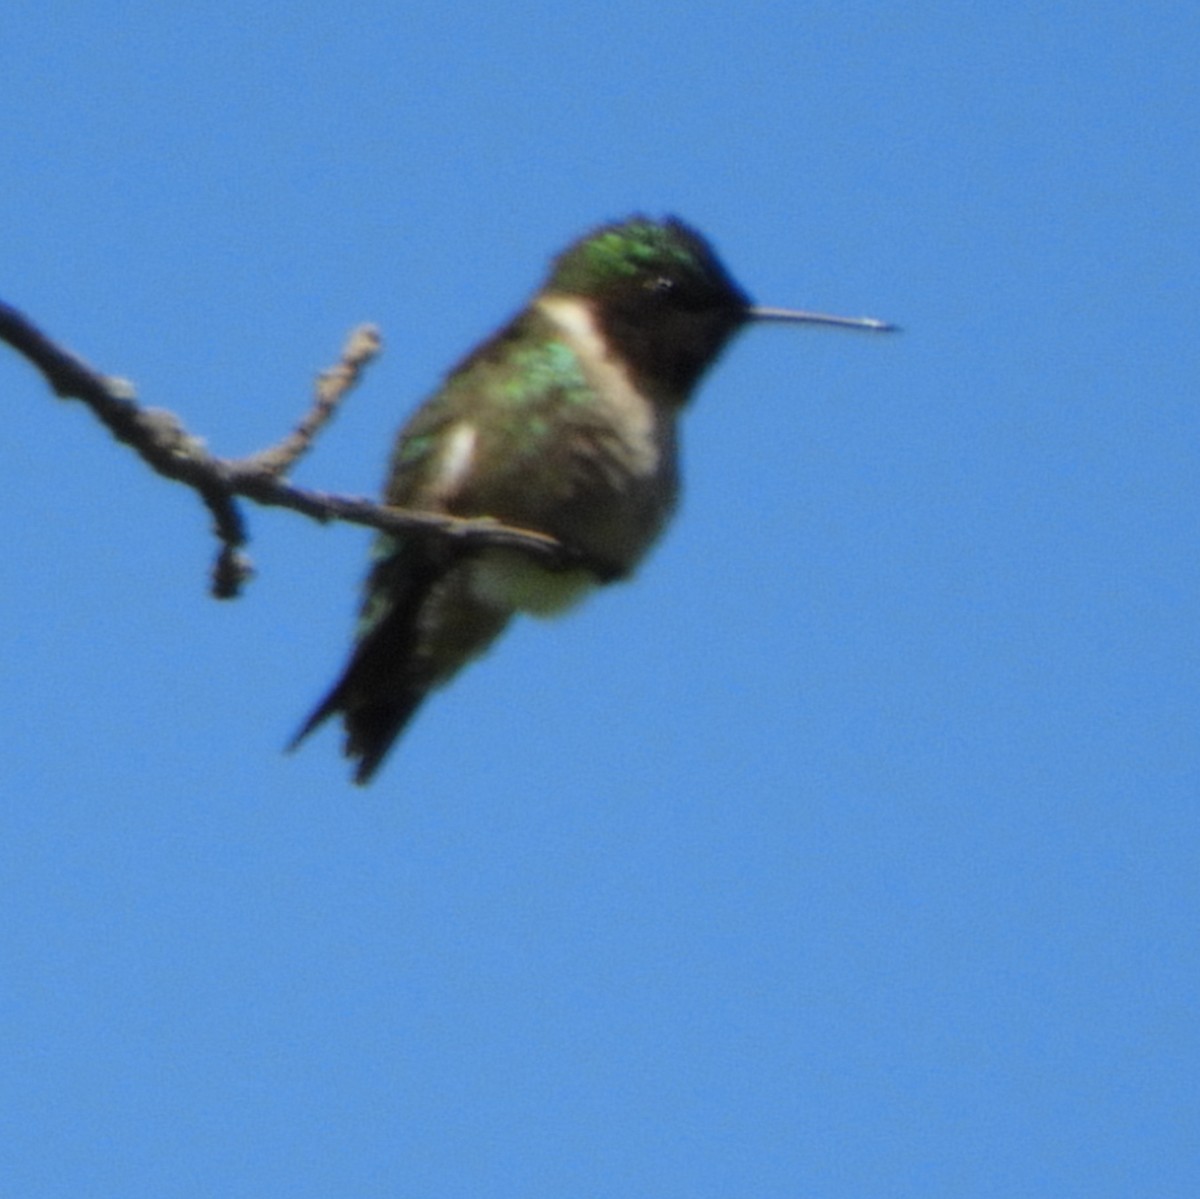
565	423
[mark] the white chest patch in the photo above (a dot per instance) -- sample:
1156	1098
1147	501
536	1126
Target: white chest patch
456	458
634	413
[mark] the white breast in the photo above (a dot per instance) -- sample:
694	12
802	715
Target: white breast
634	414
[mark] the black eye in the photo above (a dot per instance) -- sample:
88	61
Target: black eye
660	285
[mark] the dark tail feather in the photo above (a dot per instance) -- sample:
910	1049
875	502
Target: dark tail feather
373	696
376	705
379	690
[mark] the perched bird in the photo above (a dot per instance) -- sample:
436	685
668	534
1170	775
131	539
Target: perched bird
565	423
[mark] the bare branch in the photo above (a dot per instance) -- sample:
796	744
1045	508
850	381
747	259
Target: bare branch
162	441
363	344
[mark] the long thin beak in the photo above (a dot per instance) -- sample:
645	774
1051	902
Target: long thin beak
866	324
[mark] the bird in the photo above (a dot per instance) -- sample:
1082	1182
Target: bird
564	423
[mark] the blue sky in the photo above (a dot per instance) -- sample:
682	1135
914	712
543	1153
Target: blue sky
850	851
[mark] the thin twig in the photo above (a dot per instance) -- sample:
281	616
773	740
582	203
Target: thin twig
363	345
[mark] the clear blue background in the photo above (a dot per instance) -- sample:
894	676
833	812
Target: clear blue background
851	851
